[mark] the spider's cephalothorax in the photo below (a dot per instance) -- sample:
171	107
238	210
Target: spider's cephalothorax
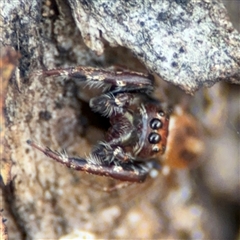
139	124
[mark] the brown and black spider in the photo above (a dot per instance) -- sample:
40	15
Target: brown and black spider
139	126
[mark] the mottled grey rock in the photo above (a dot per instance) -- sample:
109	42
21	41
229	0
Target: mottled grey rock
188	43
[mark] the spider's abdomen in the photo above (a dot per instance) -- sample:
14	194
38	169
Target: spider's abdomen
153	131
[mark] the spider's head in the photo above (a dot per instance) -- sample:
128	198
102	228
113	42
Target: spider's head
155	121
176	138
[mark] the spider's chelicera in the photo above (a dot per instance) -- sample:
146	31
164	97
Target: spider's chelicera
139	124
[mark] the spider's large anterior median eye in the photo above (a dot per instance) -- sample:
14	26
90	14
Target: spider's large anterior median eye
154	138
155	123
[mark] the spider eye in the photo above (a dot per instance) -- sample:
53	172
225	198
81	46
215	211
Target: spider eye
161	113
154	138
155	149
155	123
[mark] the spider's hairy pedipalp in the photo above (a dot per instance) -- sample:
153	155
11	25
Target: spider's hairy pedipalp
108	104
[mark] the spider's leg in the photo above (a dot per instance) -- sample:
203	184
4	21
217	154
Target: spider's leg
95	77
106	153
108	104
137	173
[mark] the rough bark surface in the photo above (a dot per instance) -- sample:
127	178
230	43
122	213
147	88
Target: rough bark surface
188	43
45	200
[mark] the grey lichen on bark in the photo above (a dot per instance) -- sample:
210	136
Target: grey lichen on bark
188	43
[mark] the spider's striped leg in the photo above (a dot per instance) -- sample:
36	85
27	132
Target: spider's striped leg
96	77
135	174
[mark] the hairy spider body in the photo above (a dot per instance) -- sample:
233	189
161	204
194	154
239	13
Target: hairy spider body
140	131
139	124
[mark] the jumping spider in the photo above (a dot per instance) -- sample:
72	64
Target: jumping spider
139	125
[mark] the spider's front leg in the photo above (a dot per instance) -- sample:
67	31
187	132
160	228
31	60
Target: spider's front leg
136	173
106	153
96	77
109	103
